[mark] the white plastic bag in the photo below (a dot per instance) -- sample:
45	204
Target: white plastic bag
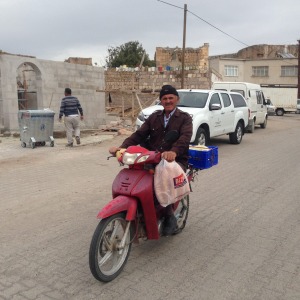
170	182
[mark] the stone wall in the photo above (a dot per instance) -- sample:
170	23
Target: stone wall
154	80
125	87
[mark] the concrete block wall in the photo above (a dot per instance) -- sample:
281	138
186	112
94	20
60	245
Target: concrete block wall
86	82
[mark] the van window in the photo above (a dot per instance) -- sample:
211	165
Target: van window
238	100
259	97
226	99
239	91
215	99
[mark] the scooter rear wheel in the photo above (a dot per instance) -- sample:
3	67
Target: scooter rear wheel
106	258
181	212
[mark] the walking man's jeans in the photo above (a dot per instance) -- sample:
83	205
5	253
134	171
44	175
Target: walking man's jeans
72	124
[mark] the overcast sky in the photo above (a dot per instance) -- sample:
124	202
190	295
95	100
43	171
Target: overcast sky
59	29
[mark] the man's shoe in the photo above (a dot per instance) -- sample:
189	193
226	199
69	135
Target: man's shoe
170	225
77	138
69	145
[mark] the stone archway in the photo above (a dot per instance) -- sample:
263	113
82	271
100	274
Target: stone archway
28	86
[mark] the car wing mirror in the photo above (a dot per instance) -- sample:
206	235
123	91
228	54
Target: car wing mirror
215	106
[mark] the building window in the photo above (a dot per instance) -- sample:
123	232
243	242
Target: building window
289	71
231	71
260	71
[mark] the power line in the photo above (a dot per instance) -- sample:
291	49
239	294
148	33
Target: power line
206	22
170	4
217	28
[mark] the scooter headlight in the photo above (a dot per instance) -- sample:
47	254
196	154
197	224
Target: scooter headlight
129	158
143	158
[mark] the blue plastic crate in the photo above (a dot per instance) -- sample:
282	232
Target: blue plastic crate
203	158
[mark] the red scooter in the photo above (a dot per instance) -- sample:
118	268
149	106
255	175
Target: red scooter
132	214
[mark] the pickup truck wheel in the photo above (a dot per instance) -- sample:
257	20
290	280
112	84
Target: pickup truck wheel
279	112
201	137
264	124
236	136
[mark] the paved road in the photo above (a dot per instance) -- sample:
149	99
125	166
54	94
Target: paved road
242	240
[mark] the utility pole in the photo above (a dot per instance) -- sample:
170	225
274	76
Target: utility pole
298	69
183	47
142	60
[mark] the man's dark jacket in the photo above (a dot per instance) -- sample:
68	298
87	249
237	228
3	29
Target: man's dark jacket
154	128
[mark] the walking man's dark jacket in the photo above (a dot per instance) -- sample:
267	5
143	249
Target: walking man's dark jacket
70	105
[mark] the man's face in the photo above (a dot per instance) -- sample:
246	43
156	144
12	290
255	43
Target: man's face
169	102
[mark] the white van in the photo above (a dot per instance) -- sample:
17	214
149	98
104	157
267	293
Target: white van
254	97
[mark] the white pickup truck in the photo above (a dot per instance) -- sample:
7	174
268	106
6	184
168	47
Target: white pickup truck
214	113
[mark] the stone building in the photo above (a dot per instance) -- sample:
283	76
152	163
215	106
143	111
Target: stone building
268	51
123	85
30	83
195	58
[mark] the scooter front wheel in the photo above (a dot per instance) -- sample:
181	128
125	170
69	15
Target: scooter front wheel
110	247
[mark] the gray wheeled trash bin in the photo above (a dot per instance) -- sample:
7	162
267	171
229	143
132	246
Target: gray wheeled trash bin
36	127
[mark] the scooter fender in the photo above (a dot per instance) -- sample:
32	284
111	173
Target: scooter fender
119	204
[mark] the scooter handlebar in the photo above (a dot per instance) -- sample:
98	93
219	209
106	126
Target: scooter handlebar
119	154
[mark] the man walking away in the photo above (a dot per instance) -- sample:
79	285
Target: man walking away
70	107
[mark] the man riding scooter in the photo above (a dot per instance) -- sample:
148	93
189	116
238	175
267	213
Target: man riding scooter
154	130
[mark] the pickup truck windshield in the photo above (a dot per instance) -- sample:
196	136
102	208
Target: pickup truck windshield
192	99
